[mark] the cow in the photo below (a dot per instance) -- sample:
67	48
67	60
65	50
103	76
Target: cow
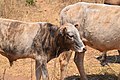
102	58
98	25
41	41
112	2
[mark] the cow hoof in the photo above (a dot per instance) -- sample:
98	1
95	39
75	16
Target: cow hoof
104	63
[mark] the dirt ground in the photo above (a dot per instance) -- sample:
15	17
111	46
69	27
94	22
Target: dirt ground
48	10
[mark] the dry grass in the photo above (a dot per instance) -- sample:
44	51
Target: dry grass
42	10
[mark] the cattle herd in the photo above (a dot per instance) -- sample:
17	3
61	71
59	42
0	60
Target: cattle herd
81	24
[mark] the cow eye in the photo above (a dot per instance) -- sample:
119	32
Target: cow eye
70	35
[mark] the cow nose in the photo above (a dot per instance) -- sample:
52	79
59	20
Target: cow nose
84	49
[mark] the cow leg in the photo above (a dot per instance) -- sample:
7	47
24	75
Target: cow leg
103	58
38	70
119	52
79	61
41	69
44	72
41	61
64	60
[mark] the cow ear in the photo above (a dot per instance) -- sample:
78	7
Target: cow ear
64	30
52	29
60	32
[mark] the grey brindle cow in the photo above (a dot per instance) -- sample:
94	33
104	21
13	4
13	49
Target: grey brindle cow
99	27
41	41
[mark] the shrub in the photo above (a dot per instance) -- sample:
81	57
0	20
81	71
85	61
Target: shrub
30	2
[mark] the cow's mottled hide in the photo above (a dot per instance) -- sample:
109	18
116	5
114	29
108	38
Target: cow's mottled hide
41	41
98	24
20	39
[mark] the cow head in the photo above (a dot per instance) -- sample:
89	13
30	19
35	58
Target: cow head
69	38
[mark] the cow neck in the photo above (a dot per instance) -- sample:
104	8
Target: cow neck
57	46
60	44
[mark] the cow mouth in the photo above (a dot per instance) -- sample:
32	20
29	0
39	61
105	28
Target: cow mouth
79	49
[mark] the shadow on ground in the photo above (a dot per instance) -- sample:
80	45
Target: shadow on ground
113	59
94	77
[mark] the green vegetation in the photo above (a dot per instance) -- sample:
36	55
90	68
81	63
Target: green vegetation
30	2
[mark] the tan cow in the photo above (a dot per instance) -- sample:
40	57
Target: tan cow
112	2
99	27
41	41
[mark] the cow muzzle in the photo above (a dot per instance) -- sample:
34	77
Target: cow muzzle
80	49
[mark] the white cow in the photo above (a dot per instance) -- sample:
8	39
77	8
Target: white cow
99	27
